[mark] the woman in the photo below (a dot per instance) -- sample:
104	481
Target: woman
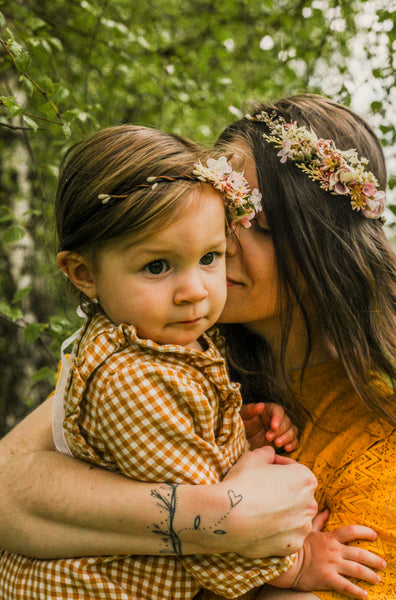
312	285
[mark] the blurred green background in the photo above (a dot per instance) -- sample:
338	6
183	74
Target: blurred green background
68	68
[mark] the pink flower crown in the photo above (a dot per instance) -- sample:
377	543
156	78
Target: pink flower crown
240	201
340	172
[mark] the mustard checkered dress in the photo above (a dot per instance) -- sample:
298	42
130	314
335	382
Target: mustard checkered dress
155	413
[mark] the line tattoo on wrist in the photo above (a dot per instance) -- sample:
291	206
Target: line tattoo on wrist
166	500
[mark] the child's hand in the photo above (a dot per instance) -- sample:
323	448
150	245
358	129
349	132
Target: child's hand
267	423
326	561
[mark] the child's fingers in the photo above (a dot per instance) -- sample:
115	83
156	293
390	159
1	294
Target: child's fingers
292	446
248	411
279	421
359	571
280	438
364	557
320	519
349	533
344	586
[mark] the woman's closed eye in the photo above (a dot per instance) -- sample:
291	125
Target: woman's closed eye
156	267
260	228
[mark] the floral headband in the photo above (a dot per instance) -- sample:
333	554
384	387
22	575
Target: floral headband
240	201
339	172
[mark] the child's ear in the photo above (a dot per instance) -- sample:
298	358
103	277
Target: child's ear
79	271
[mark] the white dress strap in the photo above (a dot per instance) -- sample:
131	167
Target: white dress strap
58	409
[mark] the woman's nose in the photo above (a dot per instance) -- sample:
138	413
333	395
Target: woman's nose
191	288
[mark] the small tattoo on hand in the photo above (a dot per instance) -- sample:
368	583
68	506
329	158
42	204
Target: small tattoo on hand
234	498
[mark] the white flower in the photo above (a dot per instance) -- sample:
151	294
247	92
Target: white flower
255	197
338	181
220	165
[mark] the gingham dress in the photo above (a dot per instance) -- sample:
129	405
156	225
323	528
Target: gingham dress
155	413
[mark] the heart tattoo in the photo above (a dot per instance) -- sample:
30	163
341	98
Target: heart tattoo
234	499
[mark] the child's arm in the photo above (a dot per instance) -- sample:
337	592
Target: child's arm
325	561
267	423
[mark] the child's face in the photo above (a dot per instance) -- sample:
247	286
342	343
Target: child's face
170	285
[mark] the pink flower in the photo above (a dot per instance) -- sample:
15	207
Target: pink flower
375	206
338	181
369	189
245	222
323	146
286	151
237	180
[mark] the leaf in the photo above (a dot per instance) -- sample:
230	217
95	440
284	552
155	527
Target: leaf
13	108
59	325
32	331
6	219
22	62
30	123
67	130
2	20
35	23
15	48
13	234
46	46
27	84
56	43
44	373
392	208
392	182
20	294
11	312
48	108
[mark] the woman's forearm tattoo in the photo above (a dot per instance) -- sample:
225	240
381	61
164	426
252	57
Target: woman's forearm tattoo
166	500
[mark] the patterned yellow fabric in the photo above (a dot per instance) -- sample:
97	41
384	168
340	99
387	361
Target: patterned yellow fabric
352	452
154	413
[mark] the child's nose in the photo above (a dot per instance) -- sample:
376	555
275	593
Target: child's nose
191	288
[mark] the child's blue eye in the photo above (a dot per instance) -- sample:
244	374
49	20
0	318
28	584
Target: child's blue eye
209	258
156	267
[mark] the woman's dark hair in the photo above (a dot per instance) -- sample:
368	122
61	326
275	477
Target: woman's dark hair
346	261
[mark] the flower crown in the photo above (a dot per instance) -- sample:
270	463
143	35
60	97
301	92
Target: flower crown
340	172
240	201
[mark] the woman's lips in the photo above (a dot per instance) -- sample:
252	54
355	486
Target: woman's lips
231	282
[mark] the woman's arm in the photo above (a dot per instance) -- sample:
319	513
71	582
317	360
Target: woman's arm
55	506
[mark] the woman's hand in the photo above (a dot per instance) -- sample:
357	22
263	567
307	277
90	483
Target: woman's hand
278	506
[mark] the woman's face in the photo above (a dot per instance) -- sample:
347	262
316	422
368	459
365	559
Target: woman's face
252	276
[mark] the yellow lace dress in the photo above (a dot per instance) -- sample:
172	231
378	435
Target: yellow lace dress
352	452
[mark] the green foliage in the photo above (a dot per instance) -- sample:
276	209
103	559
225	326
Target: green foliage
187	66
